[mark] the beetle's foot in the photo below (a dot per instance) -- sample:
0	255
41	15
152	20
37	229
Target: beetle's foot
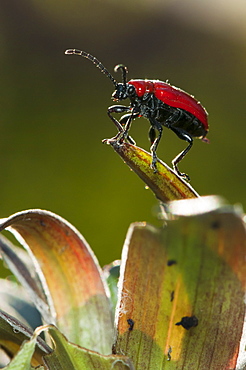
153	163
117	138
109	141
183	175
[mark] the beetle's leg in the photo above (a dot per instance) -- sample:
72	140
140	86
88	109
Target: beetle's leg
117	109
128	118
181	155
125	122
152	134
154	143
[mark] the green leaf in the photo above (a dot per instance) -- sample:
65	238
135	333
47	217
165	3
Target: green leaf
68	356
182	292
22	360
165	183
71	277
12	335
112	273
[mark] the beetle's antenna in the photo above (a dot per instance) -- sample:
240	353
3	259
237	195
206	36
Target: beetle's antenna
124	72
93	60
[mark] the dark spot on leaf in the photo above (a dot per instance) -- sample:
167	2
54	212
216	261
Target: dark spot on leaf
131	324
172	296
188	322
114	349
169	353
215	225
42	223
171	262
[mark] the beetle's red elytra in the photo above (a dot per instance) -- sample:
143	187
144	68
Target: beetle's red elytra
172	96
162	104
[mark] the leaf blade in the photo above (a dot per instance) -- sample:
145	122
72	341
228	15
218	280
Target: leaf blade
193	268
72	279
68	356
165	183
12	335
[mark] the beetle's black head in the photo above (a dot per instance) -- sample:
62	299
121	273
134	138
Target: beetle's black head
120	92
123	91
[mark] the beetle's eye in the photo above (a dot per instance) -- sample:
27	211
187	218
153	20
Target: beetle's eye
131	90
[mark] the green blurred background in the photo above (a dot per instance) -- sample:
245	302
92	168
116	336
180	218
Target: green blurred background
53	114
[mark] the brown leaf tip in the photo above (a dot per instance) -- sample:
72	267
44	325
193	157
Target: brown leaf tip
188	322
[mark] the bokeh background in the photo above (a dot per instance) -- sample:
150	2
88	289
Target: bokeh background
53	107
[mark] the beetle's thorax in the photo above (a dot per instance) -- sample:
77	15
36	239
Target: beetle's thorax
143	87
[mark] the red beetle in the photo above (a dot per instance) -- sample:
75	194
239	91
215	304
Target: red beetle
161	103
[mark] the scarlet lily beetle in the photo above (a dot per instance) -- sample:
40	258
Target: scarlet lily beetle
161	103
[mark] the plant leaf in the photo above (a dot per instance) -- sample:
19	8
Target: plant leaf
165	184
112	273
68	356
70	274
182	292
23	359
22	267
13	333
15	301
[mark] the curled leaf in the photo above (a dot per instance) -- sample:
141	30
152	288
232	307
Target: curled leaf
71	277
